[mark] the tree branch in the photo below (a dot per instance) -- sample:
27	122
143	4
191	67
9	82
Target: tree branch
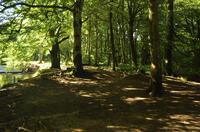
35	6
63	39
85	20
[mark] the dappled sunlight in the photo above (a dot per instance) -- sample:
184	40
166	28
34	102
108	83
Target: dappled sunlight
180	122
181	117
185	92
110	104
175	79
122	128
194	83
91	94
131	89
129	100
177	86
175	101
76	81
27	84
117	127
101	76
73	130
196	101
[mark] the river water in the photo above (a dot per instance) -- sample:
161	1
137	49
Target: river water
13	76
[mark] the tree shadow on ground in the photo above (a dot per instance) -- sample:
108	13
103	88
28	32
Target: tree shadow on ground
101	101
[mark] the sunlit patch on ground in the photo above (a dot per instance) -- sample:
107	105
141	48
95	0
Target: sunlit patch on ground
131	89
133	100
90	94
180	122
123	129
186	92
73	130
194	83
197	101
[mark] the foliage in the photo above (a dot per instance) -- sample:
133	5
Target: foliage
28	33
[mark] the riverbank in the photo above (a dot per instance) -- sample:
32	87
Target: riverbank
102	101
3	70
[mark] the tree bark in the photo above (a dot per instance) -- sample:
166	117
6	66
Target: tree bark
112	38
77	24
96	43
55	56
89	44
198	29
123	41
132	15
145	50
170	35
155	88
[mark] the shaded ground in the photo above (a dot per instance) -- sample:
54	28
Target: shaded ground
103	101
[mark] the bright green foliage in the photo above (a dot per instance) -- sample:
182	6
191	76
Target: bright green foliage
28	33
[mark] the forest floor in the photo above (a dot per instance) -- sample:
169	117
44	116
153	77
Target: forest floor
101	101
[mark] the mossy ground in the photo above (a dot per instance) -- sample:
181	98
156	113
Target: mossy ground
101	101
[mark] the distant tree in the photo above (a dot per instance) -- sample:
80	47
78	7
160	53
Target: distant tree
133	11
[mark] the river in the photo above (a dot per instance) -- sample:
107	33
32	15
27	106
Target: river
13	76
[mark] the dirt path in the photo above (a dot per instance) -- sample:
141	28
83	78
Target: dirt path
102	101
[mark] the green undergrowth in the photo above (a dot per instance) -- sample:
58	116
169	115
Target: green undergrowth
46	71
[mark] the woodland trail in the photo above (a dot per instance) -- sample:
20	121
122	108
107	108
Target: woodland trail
101	101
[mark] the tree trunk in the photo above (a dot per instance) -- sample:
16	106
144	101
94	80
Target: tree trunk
77	23
108	48
112	38
198	29
133	49
155	88
101	47
55	56
96	44
131	39
145	50
89	44
123	41
170	34
41	55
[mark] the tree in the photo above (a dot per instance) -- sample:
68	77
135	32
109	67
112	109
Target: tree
112	37
77	23
132	15
155	88
170	36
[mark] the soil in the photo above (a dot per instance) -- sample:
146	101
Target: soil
100	101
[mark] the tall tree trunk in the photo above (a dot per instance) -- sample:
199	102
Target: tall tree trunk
155	88
101	46
198	29
77	23
96	44
89	44
123	41
170	35
55	56
145	50
132	15
112	38
108	48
